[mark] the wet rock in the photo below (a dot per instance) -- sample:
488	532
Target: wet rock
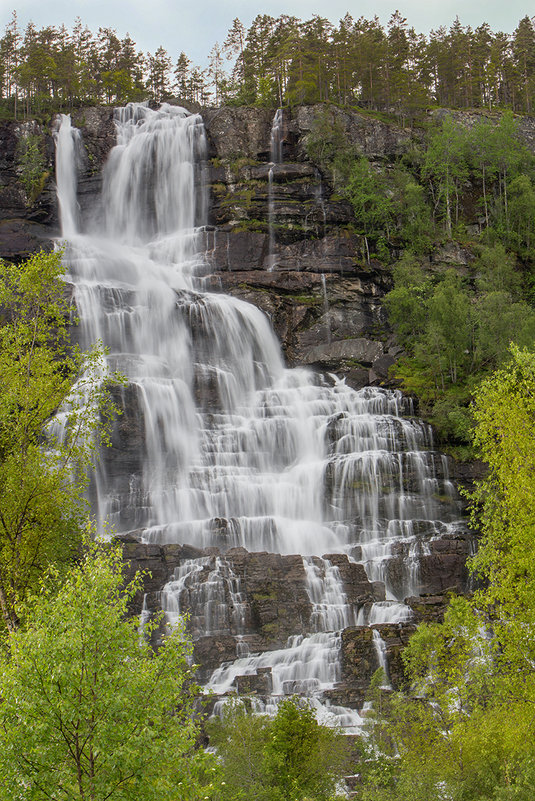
380	370
334	253
275	585
359	350
395	637
452	254
21	238
441	566
357	586
210	652
359	657
428	608
259	683
123	460
236	250
238	132
98	136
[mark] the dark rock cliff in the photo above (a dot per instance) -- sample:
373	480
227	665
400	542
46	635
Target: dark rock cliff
283	242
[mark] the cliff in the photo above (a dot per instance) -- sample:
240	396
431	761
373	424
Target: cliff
280	238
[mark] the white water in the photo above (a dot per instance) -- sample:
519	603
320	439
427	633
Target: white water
235	449
275	158
67	141
380	651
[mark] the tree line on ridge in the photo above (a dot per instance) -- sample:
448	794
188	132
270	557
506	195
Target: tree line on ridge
280	61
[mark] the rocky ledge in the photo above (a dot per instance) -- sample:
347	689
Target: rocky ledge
260	600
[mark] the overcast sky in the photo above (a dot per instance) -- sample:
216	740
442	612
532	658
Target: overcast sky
193	26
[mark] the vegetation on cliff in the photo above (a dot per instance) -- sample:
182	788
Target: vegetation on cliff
42	513
289	757
465	728
468	190
281	61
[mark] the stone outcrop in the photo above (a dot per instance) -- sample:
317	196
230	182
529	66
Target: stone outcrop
27	217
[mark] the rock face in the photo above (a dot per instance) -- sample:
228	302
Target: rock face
27	213
283	241
280	239
239	603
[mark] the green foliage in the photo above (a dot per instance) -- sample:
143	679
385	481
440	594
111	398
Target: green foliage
290	757
390	71
406	302
31	165
505	436
496	271
445	167
327	141
41	507
521	216
455	331
466	731
414	214
373	209
88	710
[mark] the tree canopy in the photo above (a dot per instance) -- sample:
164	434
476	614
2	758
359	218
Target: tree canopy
87	709
465	729
42	465
277	61
288	757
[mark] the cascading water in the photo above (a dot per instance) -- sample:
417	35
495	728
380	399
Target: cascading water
275	155
67	141
234	449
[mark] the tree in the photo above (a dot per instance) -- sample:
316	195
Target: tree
407	302
302	759
233	47
290	757
160	66
524	55
445	165
466	728
181	74
87	709
448	336
216	71
372	207
505	500
522	216
41	507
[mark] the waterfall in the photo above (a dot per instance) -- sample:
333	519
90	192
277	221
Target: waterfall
67	141
275	153
326	313
226	447
380	652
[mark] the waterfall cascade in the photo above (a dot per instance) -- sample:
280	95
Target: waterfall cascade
275	155
230	450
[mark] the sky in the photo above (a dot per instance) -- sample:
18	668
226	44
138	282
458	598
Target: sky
193	26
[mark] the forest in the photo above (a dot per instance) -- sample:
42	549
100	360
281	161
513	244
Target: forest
280	61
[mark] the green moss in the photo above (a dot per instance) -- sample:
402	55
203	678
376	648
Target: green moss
307	300
270	629
241	161
264	596
242	198
255	226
